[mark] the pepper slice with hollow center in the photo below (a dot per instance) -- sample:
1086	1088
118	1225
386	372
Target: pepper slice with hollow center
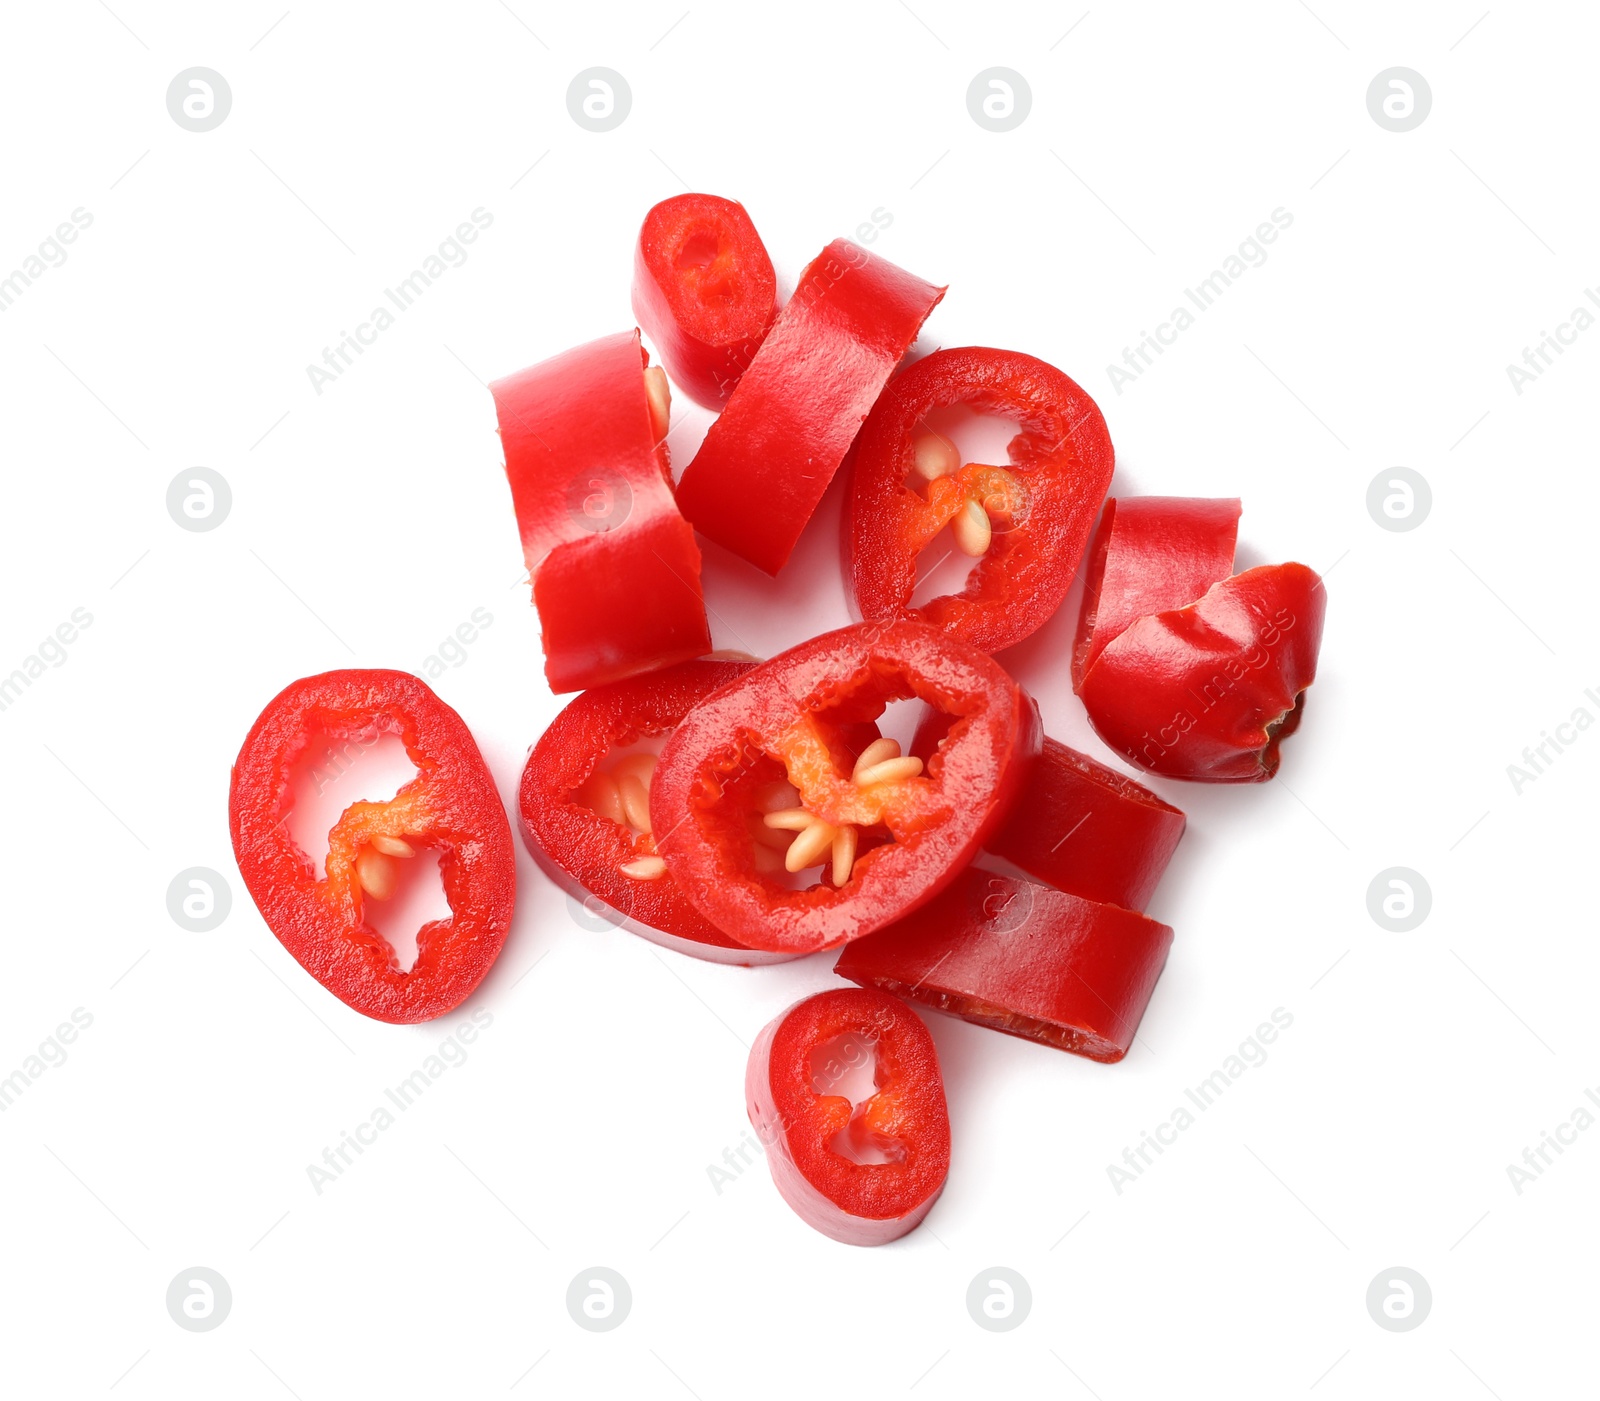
704	292
1028	520
588	824
798	719
451	806
799	1113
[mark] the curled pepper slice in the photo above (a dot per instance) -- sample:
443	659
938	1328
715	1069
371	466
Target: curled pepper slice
1028	520
589	828
451	806
615	567
704	292
1210	692
793	1093
1023	959
776	751
1079	826
767	461
1150	554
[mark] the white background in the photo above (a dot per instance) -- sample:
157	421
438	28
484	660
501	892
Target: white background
372	519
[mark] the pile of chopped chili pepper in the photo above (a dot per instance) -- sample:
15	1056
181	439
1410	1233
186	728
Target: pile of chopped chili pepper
749	812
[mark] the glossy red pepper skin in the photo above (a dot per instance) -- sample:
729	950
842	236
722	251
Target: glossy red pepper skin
1210	692
1150	554
582	851
704	292
1023	959
1081	827
798	1120
1061	461
790	716
767	461
615	567
451	806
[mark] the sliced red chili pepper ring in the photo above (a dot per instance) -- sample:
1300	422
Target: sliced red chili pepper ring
587	822
1023	959
704	292
615	567
1079	826
1210	692
767	461
792	1089
1150	554
889	834
451	806
1028	520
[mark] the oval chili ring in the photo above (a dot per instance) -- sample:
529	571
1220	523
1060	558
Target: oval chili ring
1037	510
704	292
451	806
594	856
892	835
798	1114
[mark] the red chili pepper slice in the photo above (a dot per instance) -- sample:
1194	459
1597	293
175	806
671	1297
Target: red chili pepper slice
1210	692
889	834
1150	554
580	822
792	1085
1024	959
451	806
767	461
1079	826
704	292
1039	508
615	567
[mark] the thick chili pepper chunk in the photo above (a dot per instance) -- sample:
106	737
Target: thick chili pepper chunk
1023	959
767	461
793	1093
615	567
1150	554
587	821
1079	826
1028	520
1210	692
778	750
704	292
451	806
